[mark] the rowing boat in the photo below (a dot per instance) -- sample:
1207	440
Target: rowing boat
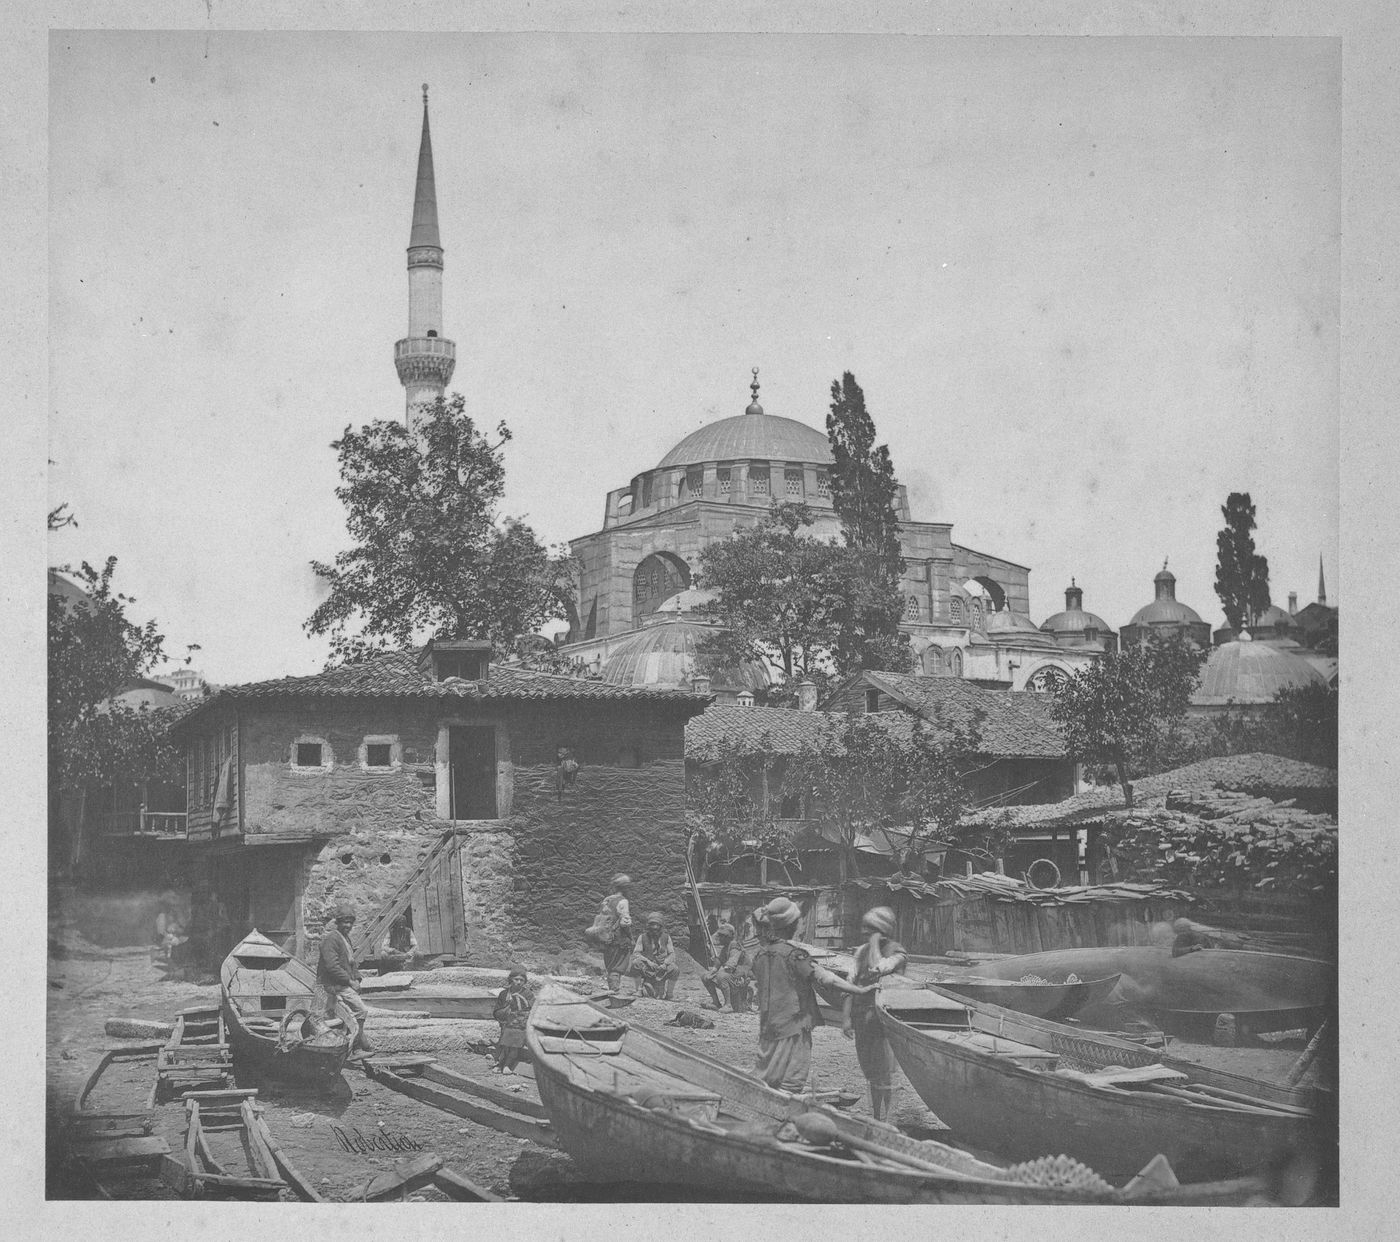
631	1105
270	1010
406	992
1274	990
1019	1086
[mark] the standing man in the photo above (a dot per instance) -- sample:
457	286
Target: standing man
614	931
787	1003
719	980
654	960
337	974
878	958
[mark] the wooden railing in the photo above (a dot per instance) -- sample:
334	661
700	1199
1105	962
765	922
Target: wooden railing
169	825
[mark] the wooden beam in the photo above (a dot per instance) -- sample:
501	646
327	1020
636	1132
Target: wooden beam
455	1186
515	1124
406	1175
510	1101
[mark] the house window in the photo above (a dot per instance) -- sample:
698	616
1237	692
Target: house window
872	700
823	483
793	480
308	755
695	481
379	755
758	480
722	479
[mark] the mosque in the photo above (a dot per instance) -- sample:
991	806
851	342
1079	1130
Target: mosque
639	616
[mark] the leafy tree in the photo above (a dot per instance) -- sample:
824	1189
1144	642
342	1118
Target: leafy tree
432	556
1241	574
1117	708
93	651
863	494
781	595
731	820
1308	718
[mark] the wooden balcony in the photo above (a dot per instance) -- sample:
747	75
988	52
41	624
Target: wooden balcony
161	825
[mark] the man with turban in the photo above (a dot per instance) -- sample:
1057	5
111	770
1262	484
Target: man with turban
338	975
654	959
787	1001
878	958
611	930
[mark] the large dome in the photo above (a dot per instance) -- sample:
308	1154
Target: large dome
1249	672
745	436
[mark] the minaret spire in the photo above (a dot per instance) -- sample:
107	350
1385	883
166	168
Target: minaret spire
1321	584
424	359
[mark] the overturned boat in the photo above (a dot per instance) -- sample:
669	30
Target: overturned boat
631	1105
1020	1086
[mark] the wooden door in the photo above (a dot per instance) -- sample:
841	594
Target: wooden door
439	922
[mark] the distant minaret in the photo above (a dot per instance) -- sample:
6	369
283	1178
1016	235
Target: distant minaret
424	359
1321	585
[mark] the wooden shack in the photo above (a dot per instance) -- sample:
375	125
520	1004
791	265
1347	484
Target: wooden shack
990	913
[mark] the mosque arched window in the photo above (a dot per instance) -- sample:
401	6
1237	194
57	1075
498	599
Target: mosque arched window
823	483
975	608
722	479
695	480
932	661
1047	679
660	576
955	610
912	609
759	478
793	480
955	662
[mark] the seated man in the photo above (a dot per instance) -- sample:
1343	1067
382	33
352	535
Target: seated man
723	981
400	946
654	960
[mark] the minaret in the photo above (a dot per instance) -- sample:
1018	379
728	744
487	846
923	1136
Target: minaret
1321	585
424	359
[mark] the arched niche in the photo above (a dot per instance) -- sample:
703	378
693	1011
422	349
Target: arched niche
991	589
656	579
1047	678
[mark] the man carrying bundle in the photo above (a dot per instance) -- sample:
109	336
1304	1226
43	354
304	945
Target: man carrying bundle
787	1002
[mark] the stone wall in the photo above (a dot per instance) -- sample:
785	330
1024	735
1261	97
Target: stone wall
532	880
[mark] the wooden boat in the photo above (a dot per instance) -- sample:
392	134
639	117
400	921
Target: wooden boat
631	1105
1055	1001
1274	991
1020	1086
270	1012
107	1151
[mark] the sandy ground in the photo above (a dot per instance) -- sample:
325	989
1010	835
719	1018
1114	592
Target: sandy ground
86	991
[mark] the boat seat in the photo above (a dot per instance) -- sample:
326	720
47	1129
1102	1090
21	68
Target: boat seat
984	1041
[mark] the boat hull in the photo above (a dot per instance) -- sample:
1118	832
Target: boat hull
1021	1113
257	1056
1043	1000
617	1142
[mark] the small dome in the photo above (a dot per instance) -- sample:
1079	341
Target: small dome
1009	626
1274	615
763	436
687	603
1166	612
664	656
1074	621
1246	672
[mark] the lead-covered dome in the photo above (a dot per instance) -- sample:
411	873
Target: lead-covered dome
665	656
1246	672
745	436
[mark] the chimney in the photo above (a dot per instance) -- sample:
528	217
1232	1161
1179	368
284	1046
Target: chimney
1292	603
745	698
806	696
469	659
700	683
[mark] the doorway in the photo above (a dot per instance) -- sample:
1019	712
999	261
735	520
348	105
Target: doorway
471	758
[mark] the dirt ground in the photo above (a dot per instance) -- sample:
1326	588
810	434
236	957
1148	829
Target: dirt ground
89	987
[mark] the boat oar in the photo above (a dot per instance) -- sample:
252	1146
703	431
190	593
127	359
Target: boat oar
816	1128
1300	1066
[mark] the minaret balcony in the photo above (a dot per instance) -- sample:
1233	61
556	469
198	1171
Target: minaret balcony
421	359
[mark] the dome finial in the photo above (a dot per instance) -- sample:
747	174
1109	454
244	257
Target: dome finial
754	407
425	94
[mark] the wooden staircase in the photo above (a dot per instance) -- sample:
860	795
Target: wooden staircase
375	929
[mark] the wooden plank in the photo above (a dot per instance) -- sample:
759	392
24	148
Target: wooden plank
420	917
430	895
444	888
473	1110
457	1187
459	906
511	1101
108	1151
290	1173
259	1154
406	1175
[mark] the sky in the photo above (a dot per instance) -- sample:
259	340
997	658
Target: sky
1089	286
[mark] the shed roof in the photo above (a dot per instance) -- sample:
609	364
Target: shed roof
1004	722
397	675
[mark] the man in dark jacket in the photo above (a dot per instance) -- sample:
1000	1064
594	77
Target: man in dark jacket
337	974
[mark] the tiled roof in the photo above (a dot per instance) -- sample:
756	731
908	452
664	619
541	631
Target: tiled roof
1004	723
774	730
1254	773
397	675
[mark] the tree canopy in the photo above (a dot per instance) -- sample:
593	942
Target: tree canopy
1241	574
94	650
863	493
433	557
1115	709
